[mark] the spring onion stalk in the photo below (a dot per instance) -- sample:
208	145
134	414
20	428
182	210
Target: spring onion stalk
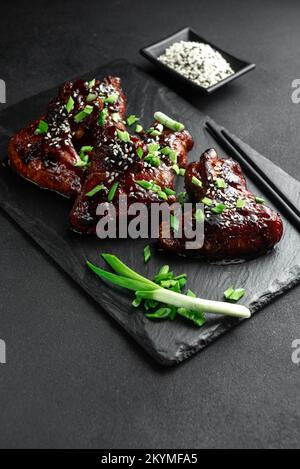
195	304
124	282
122	269
146	289
168	122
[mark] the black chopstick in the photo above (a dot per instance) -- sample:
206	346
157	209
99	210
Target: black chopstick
257	175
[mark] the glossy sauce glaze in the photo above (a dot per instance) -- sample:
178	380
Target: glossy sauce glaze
244	227
51	159
116	161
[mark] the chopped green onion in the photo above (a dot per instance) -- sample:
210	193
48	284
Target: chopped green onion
166	150
115	116
170	153
169	191
176	168
166	121
153	147
136	302
153	132
91	97
102	116
191	294
132	119
259	200
140	152
197	318
145	184
95	190
162	195
220	183
138	129
168	283
240	203
112	191
181	197
174	221
70	104
88	109
92	83
123	135
164	270
207	201
163	275
112	98
196	181
181	172
219	208
147	253
80	116
42	128
83	162
86	148
228	292
84	158
234	294
199	215
153	160
161	313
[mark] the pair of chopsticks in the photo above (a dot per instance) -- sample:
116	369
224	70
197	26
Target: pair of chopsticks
267	186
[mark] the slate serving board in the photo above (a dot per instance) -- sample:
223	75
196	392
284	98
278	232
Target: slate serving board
44	216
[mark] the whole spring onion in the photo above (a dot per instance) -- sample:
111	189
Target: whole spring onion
146	289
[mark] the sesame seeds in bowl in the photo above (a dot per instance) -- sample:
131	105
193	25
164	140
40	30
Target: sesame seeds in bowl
188	59
197	61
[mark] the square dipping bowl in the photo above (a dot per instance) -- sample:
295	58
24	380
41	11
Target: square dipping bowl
152	52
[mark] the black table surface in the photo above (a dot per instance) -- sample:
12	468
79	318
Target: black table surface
73	378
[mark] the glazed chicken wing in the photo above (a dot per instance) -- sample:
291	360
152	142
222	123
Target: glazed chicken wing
48	151
237	224
142	168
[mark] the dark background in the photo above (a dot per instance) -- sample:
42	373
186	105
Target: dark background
73	378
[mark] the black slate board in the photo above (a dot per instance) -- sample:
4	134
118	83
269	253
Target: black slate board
44	216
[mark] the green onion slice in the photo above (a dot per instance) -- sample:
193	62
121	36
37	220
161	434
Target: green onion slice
123	135
111	99
207	201
140	152
220	183
199	215
102	116
112	191
240	203
138	129
219	208
234	294
147	253
70	104
42	128
95	190
132	119
197	181
174	221
168	122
